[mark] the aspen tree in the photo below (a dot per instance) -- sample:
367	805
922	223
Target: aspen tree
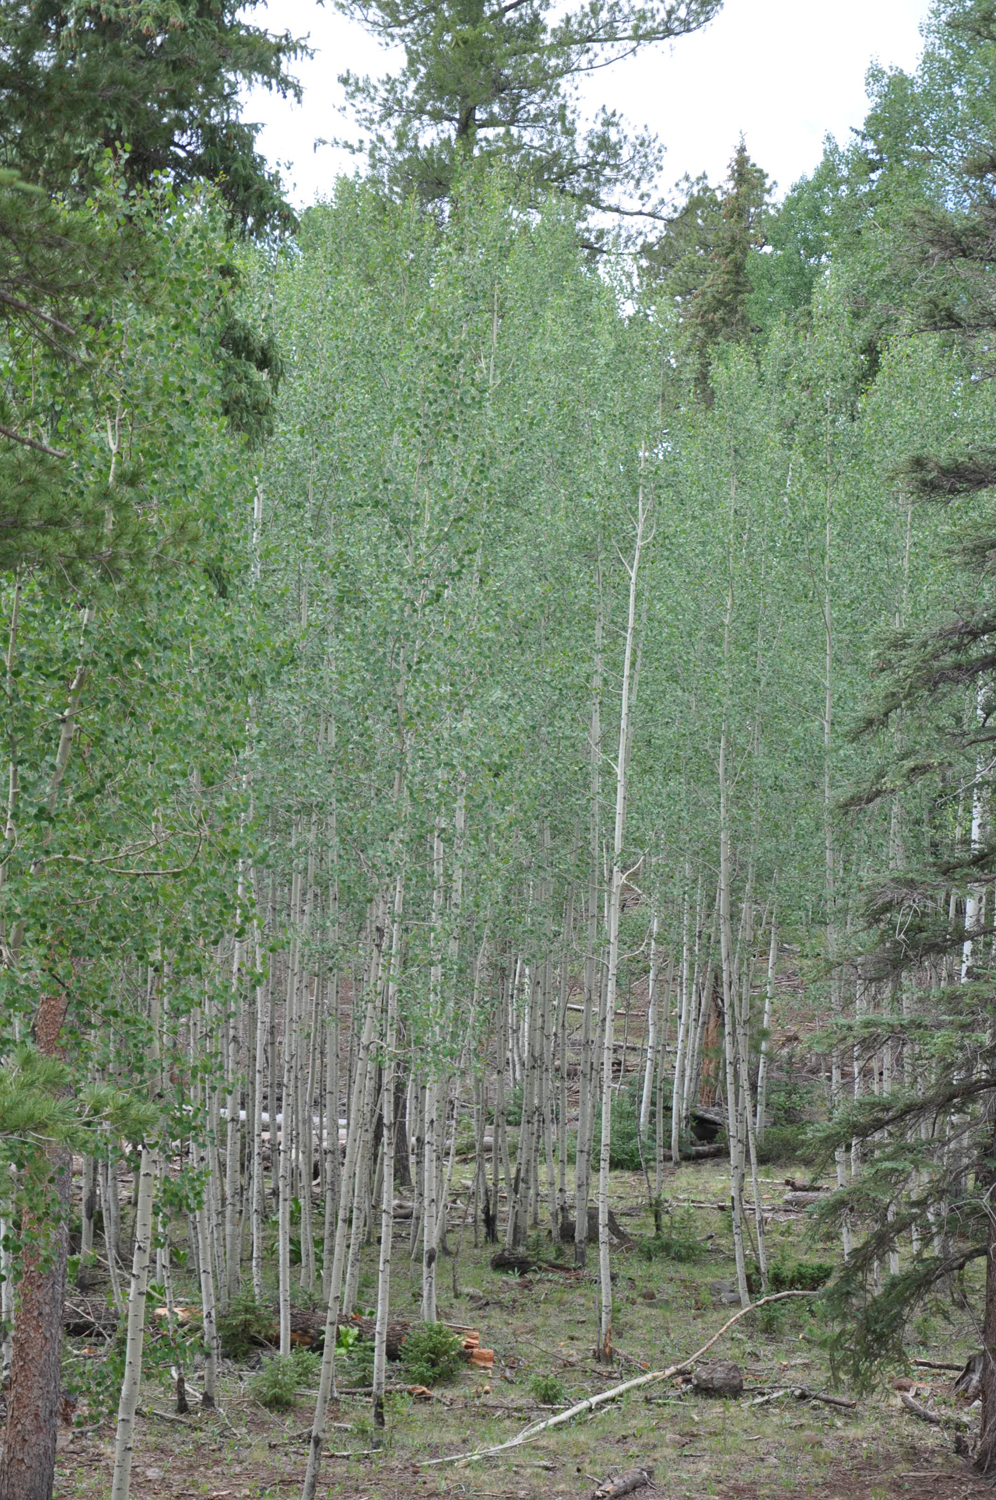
642	538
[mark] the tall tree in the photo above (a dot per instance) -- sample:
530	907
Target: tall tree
486	79
159	81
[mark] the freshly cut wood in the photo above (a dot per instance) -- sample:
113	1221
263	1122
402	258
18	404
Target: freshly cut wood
625	1484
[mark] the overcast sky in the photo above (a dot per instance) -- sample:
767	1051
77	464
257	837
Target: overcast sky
785	72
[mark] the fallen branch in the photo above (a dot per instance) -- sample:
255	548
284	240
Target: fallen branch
164	1416
772	1396
932	1364
591	1403
936	1419
803	1393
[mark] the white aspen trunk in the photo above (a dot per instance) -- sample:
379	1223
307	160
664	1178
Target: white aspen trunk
326	1382
387	1202
614	908
429	1205
648	1072
333	1186
592	979
681	1043
733	1103
562	1220
308	1140
208	1313
124	1438
233	1125
364	1107
109	1203
975	901
257	1214
285	1186
762	1066
702	991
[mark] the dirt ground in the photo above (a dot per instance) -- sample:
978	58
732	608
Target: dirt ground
543	1324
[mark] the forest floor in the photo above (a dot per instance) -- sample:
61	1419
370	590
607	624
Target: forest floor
543	1324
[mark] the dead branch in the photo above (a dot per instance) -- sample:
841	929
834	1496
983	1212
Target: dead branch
803	1393
936	1419
933	1364
591	1403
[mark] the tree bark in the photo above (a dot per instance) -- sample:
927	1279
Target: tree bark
27	1468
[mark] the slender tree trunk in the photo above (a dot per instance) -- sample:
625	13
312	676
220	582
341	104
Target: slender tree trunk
615	907
124	1440
387	1204
762	1066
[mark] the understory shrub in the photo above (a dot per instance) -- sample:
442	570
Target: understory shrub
799	1275
784	1144
431	1354
547	1389
244	1325
275	1386
679	1240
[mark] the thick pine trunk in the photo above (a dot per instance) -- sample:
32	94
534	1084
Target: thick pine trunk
27	1468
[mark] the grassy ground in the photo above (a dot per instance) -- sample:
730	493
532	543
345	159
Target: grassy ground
544	1325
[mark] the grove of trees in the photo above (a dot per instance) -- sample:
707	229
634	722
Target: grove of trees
428	623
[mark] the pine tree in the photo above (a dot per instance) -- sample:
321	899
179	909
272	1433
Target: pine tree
497	82
718	311
160	81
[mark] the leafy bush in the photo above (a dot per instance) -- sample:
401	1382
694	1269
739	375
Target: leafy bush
354	1357
679	1240
547	1389
244	1325
431	1355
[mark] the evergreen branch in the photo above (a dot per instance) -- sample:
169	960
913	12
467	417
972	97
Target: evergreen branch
16	437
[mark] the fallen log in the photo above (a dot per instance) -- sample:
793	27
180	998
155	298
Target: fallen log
519	1261
625	1484
308	1331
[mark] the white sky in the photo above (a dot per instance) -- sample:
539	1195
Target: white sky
785	72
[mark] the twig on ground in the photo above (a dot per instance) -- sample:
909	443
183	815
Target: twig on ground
803	1393
165	1416
774	1396
592	1402
932	1364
